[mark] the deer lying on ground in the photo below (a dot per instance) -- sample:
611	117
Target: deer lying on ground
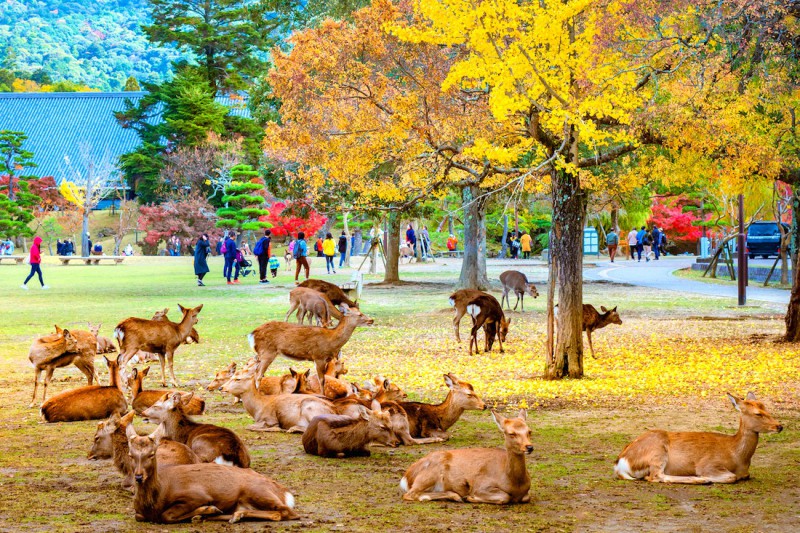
334	293
698	457
315	304
222	376
592	320
334	387
304	343
211	443
104	344
142	399
290	412
516	281
88	403
486	313
210	491
346	436
158	336
476	475
459	300
111	442
426	420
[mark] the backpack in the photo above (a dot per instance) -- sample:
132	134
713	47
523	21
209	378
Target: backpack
516	245
298	249
224	249
259	247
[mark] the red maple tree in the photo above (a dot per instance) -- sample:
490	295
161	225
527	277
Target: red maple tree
679	225
286	219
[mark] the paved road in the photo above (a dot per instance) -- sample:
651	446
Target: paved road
658	274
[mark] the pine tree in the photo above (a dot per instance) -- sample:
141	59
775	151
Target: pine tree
16	200
242	207
132	85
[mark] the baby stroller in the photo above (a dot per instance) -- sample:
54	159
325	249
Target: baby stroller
245	266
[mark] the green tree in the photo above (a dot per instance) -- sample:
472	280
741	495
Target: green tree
16	200
132	85
13	158
242	206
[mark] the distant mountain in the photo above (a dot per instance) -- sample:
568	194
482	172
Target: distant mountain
97	43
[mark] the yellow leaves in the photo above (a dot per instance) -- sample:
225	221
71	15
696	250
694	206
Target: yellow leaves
72	193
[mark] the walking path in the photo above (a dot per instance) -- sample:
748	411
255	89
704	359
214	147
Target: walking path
658	274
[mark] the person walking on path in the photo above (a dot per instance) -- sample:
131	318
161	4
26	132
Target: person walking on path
329	250
647	244
632	241
219	245
425	242
525	243
656	236
274	265
342	247
318	247
231	253
300	255
662	244
612	240
411	238
201	251
35	260
452	243
263	251
640	242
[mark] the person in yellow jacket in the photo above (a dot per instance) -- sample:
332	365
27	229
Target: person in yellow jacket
329	250
525	241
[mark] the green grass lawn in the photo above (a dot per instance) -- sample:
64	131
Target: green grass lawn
667	366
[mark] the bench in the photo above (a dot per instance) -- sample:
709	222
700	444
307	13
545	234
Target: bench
92	259
450	253
18	258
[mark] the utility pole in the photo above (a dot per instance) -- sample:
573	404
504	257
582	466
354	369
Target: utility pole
742	264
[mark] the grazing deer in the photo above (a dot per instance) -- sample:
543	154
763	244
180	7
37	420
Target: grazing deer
312	303
158	336
142	399
514	280
211	443
111	442
291	412
304	343
88	403
486	313
210	491
346	436
56	351
476	475
334	293
459	300
426	420
334	387
697	457
592	320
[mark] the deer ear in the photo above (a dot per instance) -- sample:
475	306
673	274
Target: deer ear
130	432
449	381
603	309
198	308
187	398
386	384
735	401
750	396
107	361
158	434
58	329
498	419
307	373
376	406
232	366
182	308
175	398
127	419
135	372
508	322
363	412
292	372
615	309
146	370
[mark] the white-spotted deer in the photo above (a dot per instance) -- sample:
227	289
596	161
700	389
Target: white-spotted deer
426	420
157	336
314	304
304	343
516	281
476	475
92	402
348	436
459	300
486	313
142	399
698	457
207	491
592	320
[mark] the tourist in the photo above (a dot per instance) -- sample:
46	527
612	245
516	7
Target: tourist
329	250
525	243
640	242
656	236
318	247
411	238
129	250
612	240
632	240
219	244
35	260
300	255
201	251
425	242
262	251
647	245
231	253
59	247
662	241
274	265
452	243
514	245
342	248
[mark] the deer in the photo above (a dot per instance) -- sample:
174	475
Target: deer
346	436
459	300
476	475
334	293
211	443
592	320
142	399
148	357
698	457
304	343
486	313
290	412
334	387
158	336
56	351
514	280
206	491
111	442
315	304
222	376
426	420
104	344
88	403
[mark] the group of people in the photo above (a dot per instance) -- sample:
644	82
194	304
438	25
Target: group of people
424	240
7	247
328	248
640	242
519	241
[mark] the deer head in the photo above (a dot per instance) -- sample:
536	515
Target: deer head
222	376
754	414
191	313
502	330
353	314
70	342
464	395
161	315
515	431
142	451
532	290
166	405
379	426
94	329
611	316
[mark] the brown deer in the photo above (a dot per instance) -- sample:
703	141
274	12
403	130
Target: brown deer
334	387
334	293
352	406
697	457
158	336
386	391
514	280
290	412
476	475
459	300
346	436
211	443
104	344
222	376
592	320
88	403
486	313
142	399
312	303
209	491
304	343
111	442
147	357
426	420
57	351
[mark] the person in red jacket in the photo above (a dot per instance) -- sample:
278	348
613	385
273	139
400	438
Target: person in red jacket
36	262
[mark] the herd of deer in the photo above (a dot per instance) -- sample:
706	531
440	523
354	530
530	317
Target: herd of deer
189	470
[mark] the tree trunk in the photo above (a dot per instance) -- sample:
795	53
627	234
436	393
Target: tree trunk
85	251
504	244
615	216
473	268
418	246
450	228
569	211
793	311
392	249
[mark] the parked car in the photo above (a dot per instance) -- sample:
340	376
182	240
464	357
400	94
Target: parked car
764	239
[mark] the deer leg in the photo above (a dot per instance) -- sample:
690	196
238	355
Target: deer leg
47	377
170	357
522	302
495	496
275	516
591	348
321	366
456	323
87	367
291	310
185	511
433	496
717	475
36	375
264	360
517	302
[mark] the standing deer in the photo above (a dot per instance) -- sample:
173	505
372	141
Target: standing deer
426	420
314	304
304	343
486	313
142	399
334	293
698	457
514	280
592	320
346	436
212	491
459	300
158	336
477	475
56	351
